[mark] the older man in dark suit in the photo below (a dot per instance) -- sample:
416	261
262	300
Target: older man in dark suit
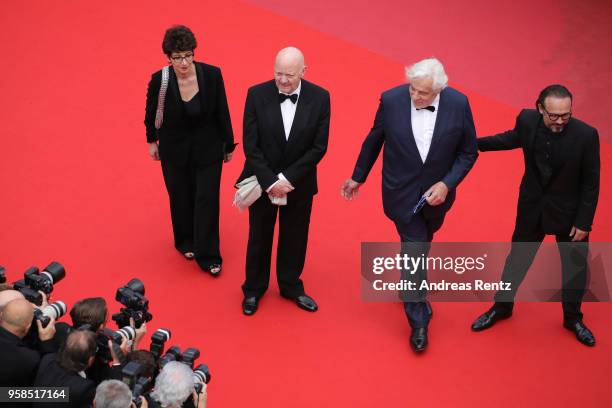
428	133
558	196
286	128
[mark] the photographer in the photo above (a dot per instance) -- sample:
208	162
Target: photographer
173	387
19	362
115	394
67	369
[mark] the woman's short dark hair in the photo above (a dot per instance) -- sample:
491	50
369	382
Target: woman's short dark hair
178	38
556	90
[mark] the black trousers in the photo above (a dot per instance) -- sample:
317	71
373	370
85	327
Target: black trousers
416	237
194	207
294	221
574	269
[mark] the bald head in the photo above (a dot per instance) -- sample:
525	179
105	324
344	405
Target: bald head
289	69
8	295
17	317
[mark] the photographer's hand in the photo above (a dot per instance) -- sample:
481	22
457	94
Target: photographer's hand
140	333
199	400
46	333
119	354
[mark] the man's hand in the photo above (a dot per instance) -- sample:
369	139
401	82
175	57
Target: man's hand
436	194
140	332
350	189
227	157
199	400
154	150
578	234
124	349
143	403
281	189
46	333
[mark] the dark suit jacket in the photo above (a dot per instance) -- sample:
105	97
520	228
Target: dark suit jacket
570	198
177	141
18	362
50	374
267	150
405	178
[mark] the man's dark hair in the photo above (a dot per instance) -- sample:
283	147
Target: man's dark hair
178	38
556	90
75	353
146	360
91	311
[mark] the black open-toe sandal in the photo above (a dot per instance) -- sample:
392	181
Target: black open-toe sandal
214	269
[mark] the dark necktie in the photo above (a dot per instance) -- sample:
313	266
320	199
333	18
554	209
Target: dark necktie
429	108
282	97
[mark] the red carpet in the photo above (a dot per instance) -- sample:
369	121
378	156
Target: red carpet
78	187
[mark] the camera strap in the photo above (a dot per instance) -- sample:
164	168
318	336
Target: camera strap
161	98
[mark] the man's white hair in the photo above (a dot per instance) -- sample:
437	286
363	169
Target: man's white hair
113	394
429	68
173	385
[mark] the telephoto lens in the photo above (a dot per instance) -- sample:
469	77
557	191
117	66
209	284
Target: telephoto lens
53	311
2	274
158	340
190	356
54	272
128	332
201	374
173	354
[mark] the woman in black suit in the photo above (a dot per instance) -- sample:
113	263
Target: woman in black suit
194	140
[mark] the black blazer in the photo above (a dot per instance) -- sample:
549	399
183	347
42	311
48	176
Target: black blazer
570	198
451	155
18	363
267	150
177	140
50	374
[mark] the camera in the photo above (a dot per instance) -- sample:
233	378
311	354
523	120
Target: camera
53	311
136	304
201	375
34	281
132	376
173	354
2	274
158	340
106	334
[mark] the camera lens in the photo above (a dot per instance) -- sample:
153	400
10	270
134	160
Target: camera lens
55	310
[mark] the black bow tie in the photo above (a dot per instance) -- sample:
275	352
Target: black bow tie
283	97
429	108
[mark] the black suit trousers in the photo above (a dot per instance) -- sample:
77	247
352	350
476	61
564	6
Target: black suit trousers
194	208
574	269
294	221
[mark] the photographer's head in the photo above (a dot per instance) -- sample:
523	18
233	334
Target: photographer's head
78	352
7	295
91	311
146	360
16	317
112	394
173	385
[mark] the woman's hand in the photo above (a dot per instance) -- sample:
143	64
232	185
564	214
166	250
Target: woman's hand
154	151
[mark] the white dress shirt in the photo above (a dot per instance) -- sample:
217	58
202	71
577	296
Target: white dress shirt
423	123
288	109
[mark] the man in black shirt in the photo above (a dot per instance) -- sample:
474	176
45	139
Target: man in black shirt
558	196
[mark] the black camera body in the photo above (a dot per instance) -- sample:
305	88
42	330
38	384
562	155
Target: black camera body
2	274
106	334
34	281
158	341
132	376
136	304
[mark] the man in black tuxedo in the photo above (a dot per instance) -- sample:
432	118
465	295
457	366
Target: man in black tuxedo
286	127
428	133
67	369
20	362
558	196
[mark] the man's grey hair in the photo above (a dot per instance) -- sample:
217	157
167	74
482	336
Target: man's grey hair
113	394
429	68
173	385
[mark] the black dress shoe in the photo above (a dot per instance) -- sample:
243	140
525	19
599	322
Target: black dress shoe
418	339
249	305
583	334
307	303
488	319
